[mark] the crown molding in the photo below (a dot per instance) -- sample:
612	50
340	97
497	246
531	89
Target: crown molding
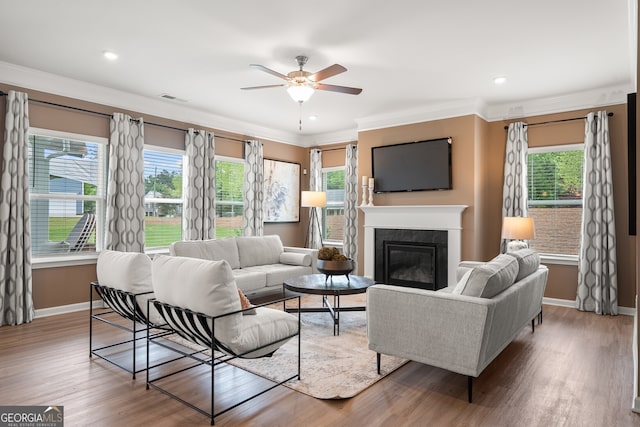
346	135
423	114
593	98
51	83
30	78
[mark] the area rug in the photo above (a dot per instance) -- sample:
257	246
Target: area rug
332	367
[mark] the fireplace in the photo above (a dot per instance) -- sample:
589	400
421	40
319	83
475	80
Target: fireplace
414	258
413	219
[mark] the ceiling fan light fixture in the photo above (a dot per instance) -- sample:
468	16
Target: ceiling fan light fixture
300	92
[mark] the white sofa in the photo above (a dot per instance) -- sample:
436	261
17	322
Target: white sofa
464	327
258	263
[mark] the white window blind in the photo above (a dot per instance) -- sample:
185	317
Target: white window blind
229	196
333	213
67	192
555	177
163	201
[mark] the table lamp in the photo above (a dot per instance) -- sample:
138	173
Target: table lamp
517	229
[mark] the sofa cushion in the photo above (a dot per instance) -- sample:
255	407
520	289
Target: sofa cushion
129	272
276	274
528	262
259	250
212	250
267	326
462	283
249	280
490	279
293	258
202	286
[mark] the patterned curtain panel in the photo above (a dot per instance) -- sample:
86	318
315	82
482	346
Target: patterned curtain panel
15	226
597	269
125	186
350	240
253	222
514	190
315	184
199	212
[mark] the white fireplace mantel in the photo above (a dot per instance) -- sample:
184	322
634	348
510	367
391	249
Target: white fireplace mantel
427	217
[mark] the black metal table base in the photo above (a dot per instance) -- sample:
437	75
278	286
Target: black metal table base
334	310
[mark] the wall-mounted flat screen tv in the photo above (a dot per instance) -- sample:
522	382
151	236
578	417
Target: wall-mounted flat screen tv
412	166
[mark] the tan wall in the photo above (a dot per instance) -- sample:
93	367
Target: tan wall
69	285
478	163
466	167
563	279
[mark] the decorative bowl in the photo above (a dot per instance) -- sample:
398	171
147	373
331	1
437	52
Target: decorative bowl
335	268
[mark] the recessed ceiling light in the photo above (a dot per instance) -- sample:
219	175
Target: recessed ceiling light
313	117
111	56
499	80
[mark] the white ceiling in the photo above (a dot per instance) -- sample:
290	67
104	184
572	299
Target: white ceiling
415	59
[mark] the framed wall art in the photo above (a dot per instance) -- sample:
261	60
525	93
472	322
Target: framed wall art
281	191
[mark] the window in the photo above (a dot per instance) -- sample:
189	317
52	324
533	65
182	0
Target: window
67	192
163	171
333	214
229	196
555	198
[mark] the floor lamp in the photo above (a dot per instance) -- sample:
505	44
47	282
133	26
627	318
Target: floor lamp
518	229
313	200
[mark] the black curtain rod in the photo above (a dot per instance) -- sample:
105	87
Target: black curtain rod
557	121
53	104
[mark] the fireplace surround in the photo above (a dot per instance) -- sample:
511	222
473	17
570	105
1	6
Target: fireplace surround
429	217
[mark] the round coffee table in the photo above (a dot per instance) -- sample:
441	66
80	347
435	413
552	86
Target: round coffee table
316	284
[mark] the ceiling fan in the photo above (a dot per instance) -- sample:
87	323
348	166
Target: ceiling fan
302	84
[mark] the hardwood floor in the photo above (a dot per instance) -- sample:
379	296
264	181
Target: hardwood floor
575	370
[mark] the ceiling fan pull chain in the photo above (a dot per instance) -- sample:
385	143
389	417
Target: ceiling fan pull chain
300	120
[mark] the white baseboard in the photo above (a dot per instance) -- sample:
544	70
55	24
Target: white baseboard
626	311
70	308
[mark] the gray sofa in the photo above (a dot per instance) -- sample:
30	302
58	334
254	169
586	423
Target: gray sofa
258	263
464	327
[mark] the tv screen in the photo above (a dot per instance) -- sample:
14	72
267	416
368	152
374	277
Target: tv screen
412	166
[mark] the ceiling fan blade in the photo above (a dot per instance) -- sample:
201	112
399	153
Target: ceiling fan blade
261	87
327	72
268	70
341	89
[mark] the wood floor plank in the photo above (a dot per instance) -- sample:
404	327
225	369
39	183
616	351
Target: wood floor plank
575	370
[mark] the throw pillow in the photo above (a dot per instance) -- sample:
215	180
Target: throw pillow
491	278
245	303
528	262
462	283
294	258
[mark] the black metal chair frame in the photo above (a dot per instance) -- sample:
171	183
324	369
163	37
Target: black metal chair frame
199	328
124	304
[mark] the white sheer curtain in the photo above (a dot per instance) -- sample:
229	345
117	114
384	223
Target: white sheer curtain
350	240
125	185
15	227
597	268
253	219
199	211
514	190
315	184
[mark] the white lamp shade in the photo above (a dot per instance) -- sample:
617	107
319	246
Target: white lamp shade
313	199
518	228
300	92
